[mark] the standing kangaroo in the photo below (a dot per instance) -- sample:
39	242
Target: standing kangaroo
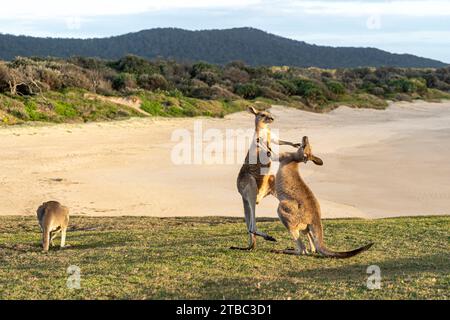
299	210
254	181
53	218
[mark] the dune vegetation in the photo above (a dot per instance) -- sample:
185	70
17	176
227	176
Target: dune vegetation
189	258
86	89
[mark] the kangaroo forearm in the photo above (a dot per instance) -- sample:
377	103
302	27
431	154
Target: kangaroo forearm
287	143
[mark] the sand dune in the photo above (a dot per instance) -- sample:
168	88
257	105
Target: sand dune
377	164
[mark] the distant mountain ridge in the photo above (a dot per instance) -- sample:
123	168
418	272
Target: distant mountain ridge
253	46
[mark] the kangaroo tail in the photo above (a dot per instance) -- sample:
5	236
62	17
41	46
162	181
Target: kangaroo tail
317	235
342	254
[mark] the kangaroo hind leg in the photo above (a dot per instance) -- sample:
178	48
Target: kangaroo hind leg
249	202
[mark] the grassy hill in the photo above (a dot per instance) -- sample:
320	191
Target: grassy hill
250	45
188	258
89	89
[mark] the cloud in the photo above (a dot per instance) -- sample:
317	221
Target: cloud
56	9
366	39
369	8
53	9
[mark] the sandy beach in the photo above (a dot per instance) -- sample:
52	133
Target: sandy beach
386	163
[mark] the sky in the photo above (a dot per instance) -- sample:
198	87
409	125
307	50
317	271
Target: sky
401	26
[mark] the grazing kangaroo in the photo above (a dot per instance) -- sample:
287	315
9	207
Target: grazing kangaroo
53	218
254	181
299	209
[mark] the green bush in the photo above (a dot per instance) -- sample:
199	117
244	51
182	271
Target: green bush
65	110
152	82
377	91
123	82
33	113
335	87
152	107
248	90
402	85
134	65
420	86
310	90
289	87
208	77
201	67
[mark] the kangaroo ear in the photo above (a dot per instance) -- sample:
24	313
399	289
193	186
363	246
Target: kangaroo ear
252	110
317	160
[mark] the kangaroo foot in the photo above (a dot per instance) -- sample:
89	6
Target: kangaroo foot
264	236
270	238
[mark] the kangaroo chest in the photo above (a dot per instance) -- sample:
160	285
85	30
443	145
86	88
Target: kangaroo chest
258	164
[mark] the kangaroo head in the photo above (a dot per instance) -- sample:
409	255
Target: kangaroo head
262	118
307	154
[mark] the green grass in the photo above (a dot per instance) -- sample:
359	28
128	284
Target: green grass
154	258
60	107
166	104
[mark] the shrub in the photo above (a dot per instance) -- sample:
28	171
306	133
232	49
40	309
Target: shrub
403	97
272	94
377	91
5	77
310	90
201	67
335	87
134	65
51	78
33	113
219	92
152	82
420	85
403	85
248	90
208	77
74	77
124	82
236	75
65	109
203	92
14	107
289	87
152	107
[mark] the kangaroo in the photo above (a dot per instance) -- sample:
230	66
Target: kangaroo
53	218
254	181
299	210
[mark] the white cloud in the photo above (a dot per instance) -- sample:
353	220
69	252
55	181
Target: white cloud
57	9
369	8
374	39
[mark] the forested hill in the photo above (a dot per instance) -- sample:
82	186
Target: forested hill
249	45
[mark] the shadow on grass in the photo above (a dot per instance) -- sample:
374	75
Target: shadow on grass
407	269
22	247
437	263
